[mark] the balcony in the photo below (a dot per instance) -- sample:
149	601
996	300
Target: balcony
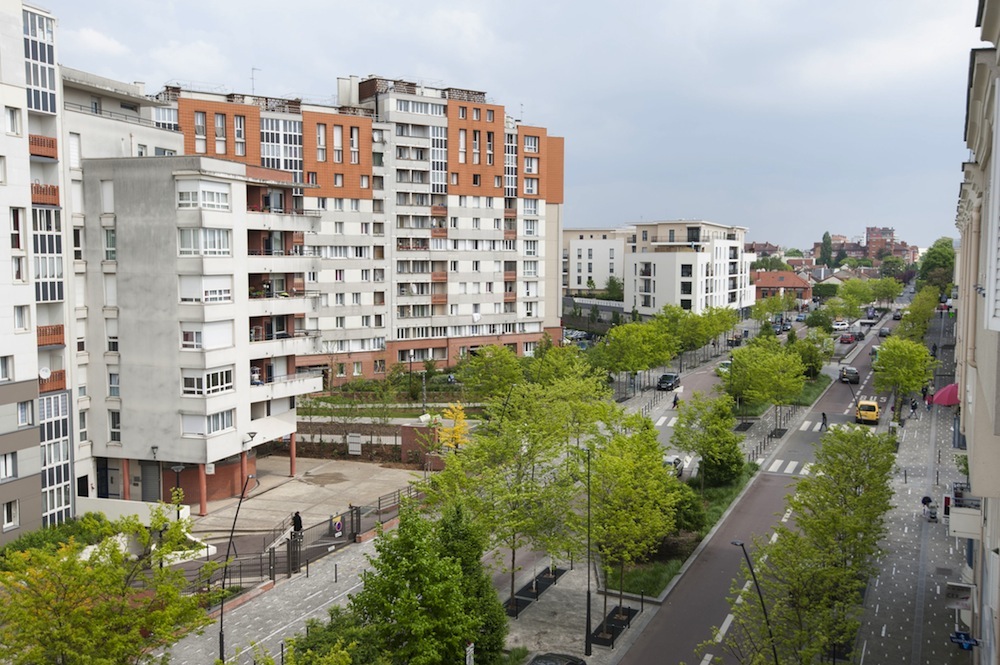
439	211
299	343
509	234
51	335
283	303
439	276
439	298
277	219
510	213
509	296
55	382
290	385
45	195
278	262
43	146
410	246
509	275
439	232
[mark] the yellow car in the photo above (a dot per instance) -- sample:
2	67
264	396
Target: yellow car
867	412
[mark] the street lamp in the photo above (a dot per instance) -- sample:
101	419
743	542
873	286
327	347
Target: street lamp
587	650
225	570
177	468
774	649
410	384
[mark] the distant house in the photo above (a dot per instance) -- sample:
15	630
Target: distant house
798	262
769	283
762	249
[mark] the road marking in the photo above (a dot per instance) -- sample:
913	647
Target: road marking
707	660
659	423
725	626
791	467
787	515
672	422
806	468
774	537
775	465
883	630
805	425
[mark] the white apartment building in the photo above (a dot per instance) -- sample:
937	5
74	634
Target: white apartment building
592	256
692	264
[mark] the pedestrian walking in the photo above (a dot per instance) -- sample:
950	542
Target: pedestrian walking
913	407
677	400
296	521
923	392
930	400
822	425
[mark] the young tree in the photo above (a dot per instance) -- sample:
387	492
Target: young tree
826	251
490	372
902	366
886	289
614	289
892	266
937	267
633	509
855	293
410	598
104	604
705	427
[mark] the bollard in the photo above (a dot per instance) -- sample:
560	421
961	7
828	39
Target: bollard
334	573
307	567
904	476
937	477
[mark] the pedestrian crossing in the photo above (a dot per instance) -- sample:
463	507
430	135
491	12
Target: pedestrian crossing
787	467
670	422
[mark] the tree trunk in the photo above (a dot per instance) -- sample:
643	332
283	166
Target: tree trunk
621	590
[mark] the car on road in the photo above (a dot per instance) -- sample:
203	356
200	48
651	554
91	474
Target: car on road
556	659
897	315
847	338
723	368
884	332
669	381
867	412
675	463
801	316
850	375
786	326
841	325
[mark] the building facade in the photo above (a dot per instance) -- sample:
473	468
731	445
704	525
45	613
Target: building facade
591	256
692	264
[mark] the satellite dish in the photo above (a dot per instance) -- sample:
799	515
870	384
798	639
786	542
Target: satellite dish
44	373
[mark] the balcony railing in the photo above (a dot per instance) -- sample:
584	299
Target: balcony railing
439	211
258	380
56	381
43	146
439	298
261	336
51	335
45	194
439	276
510	213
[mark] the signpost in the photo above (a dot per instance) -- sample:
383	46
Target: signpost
964	640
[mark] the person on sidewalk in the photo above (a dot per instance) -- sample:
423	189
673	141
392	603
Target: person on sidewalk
296	521
913	407
677	400
823	425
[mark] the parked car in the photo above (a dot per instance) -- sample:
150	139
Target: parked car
786	326
850	375
776	327
897	315
884	332
847	338
867	412
801	316
669	381
723	368
841	325
675	463
556	659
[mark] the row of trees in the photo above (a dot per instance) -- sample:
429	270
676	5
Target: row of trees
812	575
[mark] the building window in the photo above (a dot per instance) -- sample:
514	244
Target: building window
240	134
338	144
357	368
216	422
10	515
687	270
13	116
338	179
197	382
531	165
190	339
531	144
110	245
204	242
83	426
200	132
115	426
114	389
220	133
25	413
6	368
8	466
208	195
22	318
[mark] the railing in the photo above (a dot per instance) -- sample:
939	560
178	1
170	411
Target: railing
257	380
510	213
51	335
258	336
135	120
283	211
45	194
56	381
293	293
43	146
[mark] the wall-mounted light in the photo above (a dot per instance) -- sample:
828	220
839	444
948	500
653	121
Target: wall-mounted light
155	450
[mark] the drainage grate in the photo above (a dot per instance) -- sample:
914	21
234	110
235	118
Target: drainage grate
942	571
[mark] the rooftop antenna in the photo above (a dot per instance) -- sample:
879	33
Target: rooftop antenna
252	81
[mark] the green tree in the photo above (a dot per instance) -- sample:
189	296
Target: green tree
892	266
937	266
772	263
791	251
633	509
827	290
410	598
903	366
841	257
460	538
591	285
614	289
856	293
826	251
489	372
112	603
705	428
820	319
885	290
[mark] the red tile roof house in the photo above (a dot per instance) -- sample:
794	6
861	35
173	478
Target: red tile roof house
778	282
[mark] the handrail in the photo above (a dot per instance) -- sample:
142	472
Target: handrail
136	120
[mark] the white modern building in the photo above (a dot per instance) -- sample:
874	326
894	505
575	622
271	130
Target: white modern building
591	256
690	263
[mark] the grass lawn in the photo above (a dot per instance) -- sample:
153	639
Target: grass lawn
652	577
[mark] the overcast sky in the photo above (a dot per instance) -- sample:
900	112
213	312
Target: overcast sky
789	117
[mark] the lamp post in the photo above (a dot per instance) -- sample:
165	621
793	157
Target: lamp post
587	649
225	571
770	633
410	383
177	468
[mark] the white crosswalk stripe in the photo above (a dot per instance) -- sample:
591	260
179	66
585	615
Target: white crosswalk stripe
789	467
659	423
672	422
805	425
810	426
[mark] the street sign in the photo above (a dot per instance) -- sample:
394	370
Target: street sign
964	640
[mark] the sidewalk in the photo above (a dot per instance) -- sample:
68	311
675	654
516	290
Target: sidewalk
905	619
